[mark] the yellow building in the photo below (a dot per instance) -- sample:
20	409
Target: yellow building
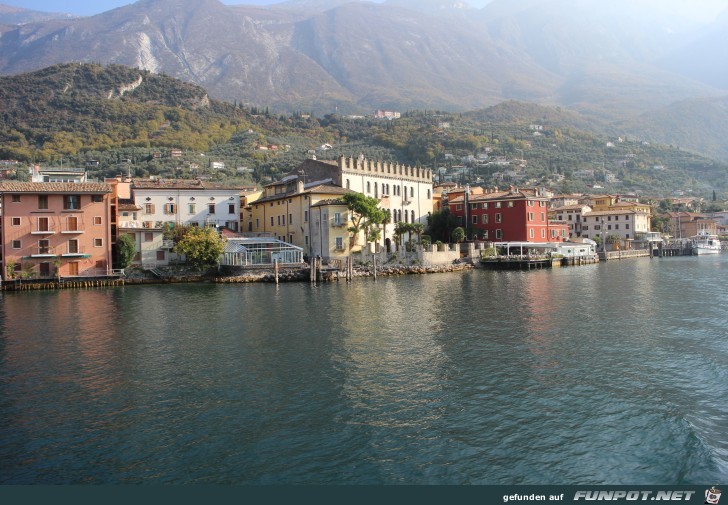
310	217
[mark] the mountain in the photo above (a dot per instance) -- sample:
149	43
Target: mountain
73	107
17	16
612	62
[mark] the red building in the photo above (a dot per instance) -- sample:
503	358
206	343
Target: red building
507	216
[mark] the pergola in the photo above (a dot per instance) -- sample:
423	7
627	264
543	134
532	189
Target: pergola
260	251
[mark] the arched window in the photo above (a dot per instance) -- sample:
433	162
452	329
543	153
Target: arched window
348	184
413	216
376	190
369	187
412	192
428	194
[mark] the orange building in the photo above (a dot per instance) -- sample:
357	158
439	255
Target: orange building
55	229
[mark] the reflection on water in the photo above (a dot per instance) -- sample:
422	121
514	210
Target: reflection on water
602	374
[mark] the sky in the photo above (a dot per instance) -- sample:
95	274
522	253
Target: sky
91	7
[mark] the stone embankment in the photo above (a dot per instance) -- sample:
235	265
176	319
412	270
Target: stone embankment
304	275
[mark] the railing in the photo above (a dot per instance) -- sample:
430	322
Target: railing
78	251
43	251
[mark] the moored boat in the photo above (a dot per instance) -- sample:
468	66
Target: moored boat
706	243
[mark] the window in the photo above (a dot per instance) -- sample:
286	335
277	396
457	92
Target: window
15	221
412	192
498	218
97	198
428	194
279	220
369	187
71	202
73	246
211	208
531	233
530	216
161	255
530	203
616	227
474	219
191	209
484	218
149	208
231	208
100	265
339	243
44	246
170	208
97	220
98	242
484	205
484	234
542	204
290	218
499	234
16	244
497	205
458	207
627	226
585	228
272	223
43	224
305	216
148	236
553	233
15	198
543	233
570	216
42	202
510	204
337	219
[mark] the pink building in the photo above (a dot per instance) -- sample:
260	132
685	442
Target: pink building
52	229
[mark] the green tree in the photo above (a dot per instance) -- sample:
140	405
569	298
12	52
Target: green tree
125	250
365	215
458	234
440	225
201	246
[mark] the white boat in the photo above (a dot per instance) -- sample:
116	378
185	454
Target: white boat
705	243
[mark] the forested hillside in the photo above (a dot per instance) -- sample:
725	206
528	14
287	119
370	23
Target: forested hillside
116	119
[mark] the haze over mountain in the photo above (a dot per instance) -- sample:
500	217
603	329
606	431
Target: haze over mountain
618	63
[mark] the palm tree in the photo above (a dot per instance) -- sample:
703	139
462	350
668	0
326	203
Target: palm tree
418	228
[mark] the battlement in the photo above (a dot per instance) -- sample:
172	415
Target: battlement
386	168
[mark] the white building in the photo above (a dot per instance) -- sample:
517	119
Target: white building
187	202
403	190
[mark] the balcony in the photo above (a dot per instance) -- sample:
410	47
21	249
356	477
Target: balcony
75	252
43	232
72	232
43	252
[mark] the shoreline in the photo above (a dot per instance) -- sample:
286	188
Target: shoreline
266	275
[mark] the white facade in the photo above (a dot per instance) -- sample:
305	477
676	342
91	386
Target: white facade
193	203
624	224
405	191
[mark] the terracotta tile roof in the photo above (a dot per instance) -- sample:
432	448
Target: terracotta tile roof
54	187
192	184
129	206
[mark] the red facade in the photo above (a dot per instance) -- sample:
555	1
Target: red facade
507	217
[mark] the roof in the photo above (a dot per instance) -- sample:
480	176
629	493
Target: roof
190	184
576	206
129	206
329	189
54	187
500	195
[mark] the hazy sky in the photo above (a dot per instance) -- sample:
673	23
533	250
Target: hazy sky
90	7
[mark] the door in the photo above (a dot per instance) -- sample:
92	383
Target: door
73	269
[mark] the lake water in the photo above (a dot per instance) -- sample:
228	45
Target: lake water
602	374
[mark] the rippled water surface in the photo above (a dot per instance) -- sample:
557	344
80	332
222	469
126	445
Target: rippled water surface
603	374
